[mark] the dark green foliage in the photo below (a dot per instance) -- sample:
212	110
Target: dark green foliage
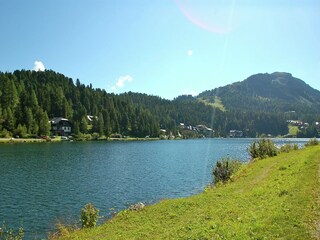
308	132
20	131
83	125
31	99
89	216
4	133
26	96
224	169
9	120
312	142
262	149
44	124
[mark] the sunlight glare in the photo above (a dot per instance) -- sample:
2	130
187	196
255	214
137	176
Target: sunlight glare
210	15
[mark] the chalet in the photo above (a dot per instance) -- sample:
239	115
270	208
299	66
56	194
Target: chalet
235	134
203	129
60	126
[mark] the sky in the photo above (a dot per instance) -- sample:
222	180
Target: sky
162	47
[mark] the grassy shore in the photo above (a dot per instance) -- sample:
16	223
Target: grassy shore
58	139
26	140
274	198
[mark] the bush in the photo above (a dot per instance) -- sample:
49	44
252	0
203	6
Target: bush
9	234
115	135
89	216
312	142
262	149
288	147
20	131
95	136
5	133
224	169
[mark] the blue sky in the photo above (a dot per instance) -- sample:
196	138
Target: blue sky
162	47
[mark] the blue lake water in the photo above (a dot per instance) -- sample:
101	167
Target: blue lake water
42	184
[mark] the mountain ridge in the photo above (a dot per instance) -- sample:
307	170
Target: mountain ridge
278	91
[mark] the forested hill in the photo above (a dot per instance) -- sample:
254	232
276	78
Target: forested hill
29	99
279	92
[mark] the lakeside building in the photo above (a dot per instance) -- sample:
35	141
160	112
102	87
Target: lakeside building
60	126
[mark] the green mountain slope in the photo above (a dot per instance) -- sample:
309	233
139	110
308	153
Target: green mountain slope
280	92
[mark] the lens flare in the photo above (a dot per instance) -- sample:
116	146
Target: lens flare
211	15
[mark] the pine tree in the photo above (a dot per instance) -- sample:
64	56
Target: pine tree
9	121
76	128
100	124
44	124
9	97
28	119
83	125
20	131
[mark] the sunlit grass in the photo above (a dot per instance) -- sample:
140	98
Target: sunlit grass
293	130
273	198
216	104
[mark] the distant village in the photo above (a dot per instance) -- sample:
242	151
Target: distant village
189	131
63	127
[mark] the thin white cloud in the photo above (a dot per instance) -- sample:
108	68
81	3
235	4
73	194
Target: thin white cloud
190	53
122	81
38	66
189	92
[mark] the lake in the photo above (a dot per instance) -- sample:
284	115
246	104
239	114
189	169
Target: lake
42	184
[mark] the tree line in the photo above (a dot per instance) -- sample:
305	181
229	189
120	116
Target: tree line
29	99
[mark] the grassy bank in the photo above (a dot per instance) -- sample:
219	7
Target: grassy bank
58	139
24	140
274	198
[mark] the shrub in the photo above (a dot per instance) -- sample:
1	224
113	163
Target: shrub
262	149
61	231
115	135
5	133
95	136
288	147
224	169
89	216
9	234
312	142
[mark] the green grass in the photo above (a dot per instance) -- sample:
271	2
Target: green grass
293	130
216	104
273	198
28	140
21	140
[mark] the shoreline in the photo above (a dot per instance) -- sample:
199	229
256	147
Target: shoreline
23	140
41	140
59	139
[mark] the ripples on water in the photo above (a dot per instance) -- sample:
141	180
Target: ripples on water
42	184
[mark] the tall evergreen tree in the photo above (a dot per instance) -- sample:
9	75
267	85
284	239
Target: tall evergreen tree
100	124
44	124
28	116
84	125
9	120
